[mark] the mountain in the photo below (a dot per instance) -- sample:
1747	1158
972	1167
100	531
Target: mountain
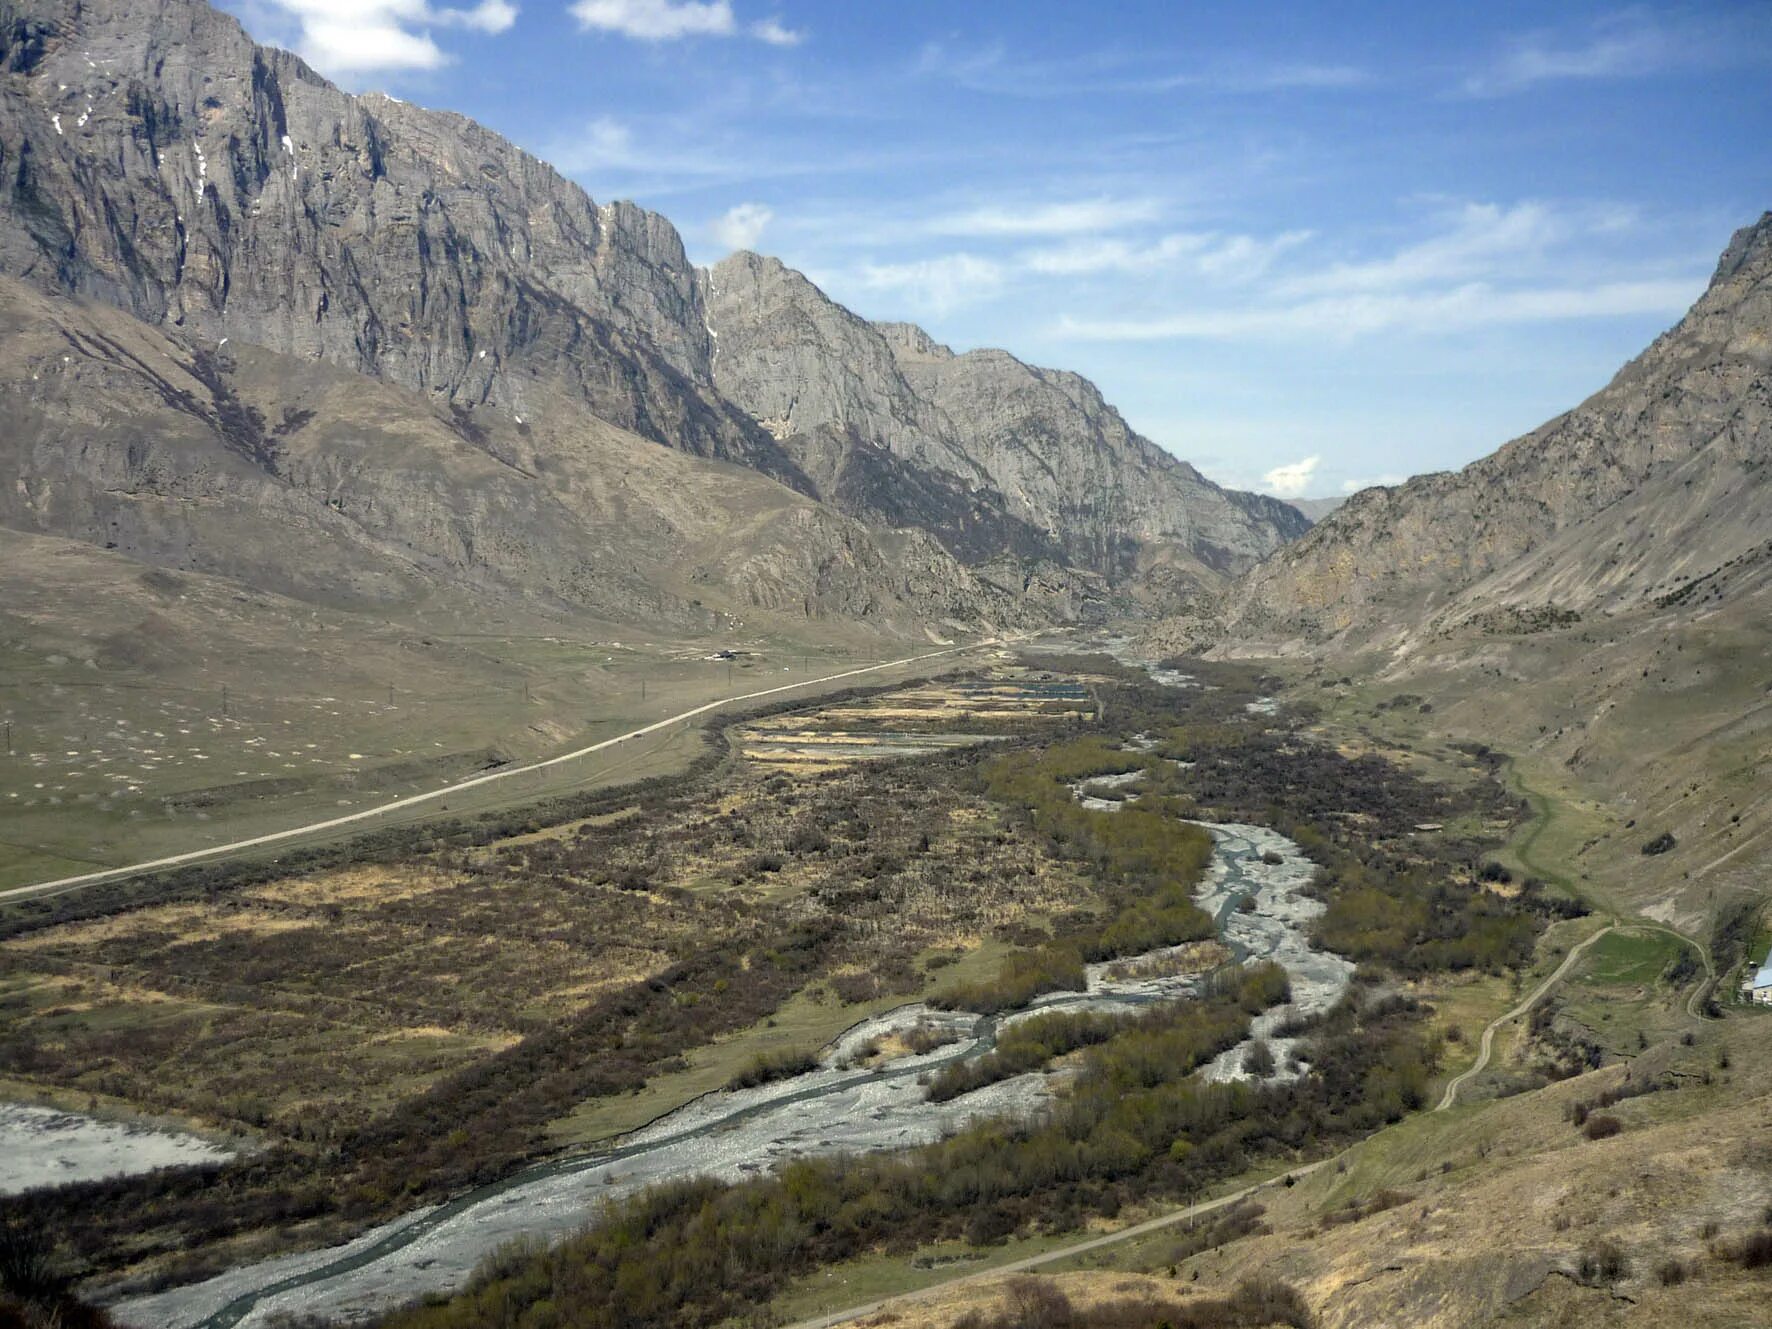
160	162
303	479
1315	509
1592	599
1656	485
1007	458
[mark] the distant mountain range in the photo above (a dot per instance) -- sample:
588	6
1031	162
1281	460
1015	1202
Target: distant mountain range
257	225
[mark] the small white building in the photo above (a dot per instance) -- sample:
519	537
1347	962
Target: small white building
1760	986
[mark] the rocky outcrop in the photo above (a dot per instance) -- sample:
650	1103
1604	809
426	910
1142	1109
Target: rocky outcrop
1658	480
1015	460
156	159
298	478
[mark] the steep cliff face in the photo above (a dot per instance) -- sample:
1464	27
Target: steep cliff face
156	159
1115	501
295	477
1660	480
1017	460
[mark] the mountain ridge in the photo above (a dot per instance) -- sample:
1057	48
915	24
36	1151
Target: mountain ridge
1523	528
1059	460
161	162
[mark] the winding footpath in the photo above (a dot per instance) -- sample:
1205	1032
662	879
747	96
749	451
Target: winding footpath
62	885
1447	1100
1557	976
1156	1224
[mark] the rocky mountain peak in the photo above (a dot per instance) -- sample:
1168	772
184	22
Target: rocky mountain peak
164	163
1656	479
910	343
1056	466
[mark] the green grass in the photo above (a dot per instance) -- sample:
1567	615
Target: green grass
1630	958
840	1286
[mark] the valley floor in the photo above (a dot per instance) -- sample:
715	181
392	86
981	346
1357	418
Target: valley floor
403	1030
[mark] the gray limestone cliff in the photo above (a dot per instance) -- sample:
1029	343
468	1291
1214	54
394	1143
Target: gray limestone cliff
156	159
1037	460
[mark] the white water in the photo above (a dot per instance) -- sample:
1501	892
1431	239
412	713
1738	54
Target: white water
42	1146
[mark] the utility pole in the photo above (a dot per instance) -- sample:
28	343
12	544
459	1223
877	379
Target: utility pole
224	700
9	738
642	690
390	694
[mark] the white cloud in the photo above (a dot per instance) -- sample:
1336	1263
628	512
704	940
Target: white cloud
937	285
1634	43
345	37
991	68
1242	258
1479	236
1078	217
1292	479
774	32
1234	258
1476	305
657	20
672	20
487	16
1080	257
742	226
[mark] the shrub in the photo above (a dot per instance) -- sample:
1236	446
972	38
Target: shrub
1601	1126
777	1065
1259	1059
1604	1263
1672	1271
1754	1251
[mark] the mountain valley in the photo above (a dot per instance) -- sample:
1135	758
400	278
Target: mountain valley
553	786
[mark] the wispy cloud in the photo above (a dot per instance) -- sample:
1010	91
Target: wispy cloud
377	36
1472	306
1076	217
674	20
1291	480
1232	258
1485	264
655	159
991	68
1082	257
1635	43
936	286
773	31
741	226
1474	237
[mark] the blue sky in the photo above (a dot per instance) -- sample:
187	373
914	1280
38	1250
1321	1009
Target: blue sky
1307	247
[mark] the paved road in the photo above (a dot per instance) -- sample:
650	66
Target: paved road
61	885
